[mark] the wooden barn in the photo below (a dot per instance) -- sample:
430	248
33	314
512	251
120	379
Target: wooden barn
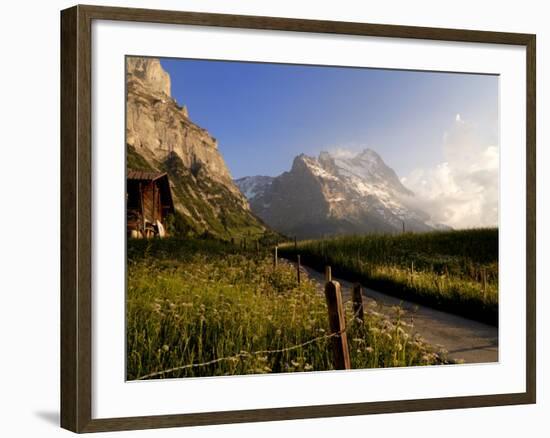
148	203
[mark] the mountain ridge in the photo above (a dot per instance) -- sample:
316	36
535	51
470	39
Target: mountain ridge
339	193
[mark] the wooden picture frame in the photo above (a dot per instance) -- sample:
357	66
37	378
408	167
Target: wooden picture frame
76	217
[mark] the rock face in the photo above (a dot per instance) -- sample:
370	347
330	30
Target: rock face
335	194
160	136
150	73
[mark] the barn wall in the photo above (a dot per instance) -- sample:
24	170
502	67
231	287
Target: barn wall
151	202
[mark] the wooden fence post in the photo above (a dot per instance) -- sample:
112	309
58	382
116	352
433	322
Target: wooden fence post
298	268
337	322
328	273
357	297
275	257
257	246
295	244
484	274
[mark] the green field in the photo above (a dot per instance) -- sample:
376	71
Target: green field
455	271
207	308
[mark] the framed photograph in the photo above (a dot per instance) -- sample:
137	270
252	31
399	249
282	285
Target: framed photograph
269	218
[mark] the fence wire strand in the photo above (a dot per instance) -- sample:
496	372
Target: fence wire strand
254	353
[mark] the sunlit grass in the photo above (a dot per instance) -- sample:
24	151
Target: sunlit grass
456	271
191	302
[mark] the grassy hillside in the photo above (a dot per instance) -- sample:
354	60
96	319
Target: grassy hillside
204	206
456	271
205	308
212	207
134	161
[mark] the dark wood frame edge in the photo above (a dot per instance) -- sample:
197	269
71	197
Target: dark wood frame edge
76	341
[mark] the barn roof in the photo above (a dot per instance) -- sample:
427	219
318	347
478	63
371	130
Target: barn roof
161	179
144	176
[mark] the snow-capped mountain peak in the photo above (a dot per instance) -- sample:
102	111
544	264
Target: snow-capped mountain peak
252	186
367	167
335	193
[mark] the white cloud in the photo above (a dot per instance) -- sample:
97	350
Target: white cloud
461	191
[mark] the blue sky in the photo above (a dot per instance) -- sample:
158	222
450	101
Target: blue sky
263	115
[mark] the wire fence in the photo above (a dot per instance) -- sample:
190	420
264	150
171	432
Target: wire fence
255	353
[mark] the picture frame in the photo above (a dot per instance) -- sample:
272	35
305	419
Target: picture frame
77	167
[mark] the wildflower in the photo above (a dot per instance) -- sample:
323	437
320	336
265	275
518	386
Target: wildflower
369	349
165	347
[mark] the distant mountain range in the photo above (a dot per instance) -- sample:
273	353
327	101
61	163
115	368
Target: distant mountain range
335	193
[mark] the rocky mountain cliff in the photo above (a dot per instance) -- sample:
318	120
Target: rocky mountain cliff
160	136
333	194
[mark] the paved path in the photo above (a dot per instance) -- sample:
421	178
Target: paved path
464	339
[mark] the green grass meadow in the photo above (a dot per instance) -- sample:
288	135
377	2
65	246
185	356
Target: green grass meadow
455	271
207	308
